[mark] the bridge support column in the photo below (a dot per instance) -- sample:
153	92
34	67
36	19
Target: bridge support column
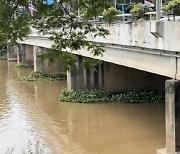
75	77
35	54
172	109
44	66
20	51
80	78
24	54
11	53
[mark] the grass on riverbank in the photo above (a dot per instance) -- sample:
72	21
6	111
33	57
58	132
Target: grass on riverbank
110	96
34	76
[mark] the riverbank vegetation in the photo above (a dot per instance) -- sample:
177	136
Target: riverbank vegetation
112	96
34	76
21	66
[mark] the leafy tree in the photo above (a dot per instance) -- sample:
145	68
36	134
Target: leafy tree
13	24
68	22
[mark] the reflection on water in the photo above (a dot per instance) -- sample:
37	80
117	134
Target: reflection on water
30	113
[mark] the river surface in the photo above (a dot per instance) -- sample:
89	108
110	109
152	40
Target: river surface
31	119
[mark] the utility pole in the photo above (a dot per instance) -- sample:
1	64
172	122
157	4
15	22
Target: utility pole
158	9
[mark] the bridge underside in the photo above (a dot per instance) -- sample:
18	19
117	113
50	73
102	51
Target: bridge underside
113	76
149	60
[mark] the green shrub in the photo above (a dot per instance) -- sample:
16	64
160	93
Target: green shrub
110	13
136	8
139	8
171	4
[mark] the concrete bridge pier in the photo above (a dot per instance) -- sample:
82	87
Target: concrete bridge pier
20	53
35	54
45	66
80	78
11	53
24	54
172	110
112	76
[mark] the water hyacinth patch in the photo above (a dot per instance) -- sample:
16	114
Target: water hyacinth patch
21	66
112	96
34	76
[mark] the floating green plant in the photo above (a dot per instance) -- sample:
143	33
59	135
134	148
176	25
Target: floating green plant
112	96
21	66
34	76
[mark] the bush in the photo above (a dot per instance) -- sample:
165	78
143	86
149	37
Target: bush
140	10
136	8
110	13
171	4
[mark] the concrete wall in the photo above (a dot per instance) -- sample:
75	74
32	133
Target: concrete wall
163	35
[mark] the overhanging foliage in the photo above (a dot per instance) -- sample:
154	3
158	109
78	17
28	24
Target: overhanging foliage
68	22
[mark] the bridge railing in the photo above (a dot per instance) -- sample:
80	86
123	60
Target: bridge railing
148	16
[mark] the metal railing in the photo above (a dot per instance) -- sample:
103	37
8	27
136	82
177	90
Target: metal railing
147	16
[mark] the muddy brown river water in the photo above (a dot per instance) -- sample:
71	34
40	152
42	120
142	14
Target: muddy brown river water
31	119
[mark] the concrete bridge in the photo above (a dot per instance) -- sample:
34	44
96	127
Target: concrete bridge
138	55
